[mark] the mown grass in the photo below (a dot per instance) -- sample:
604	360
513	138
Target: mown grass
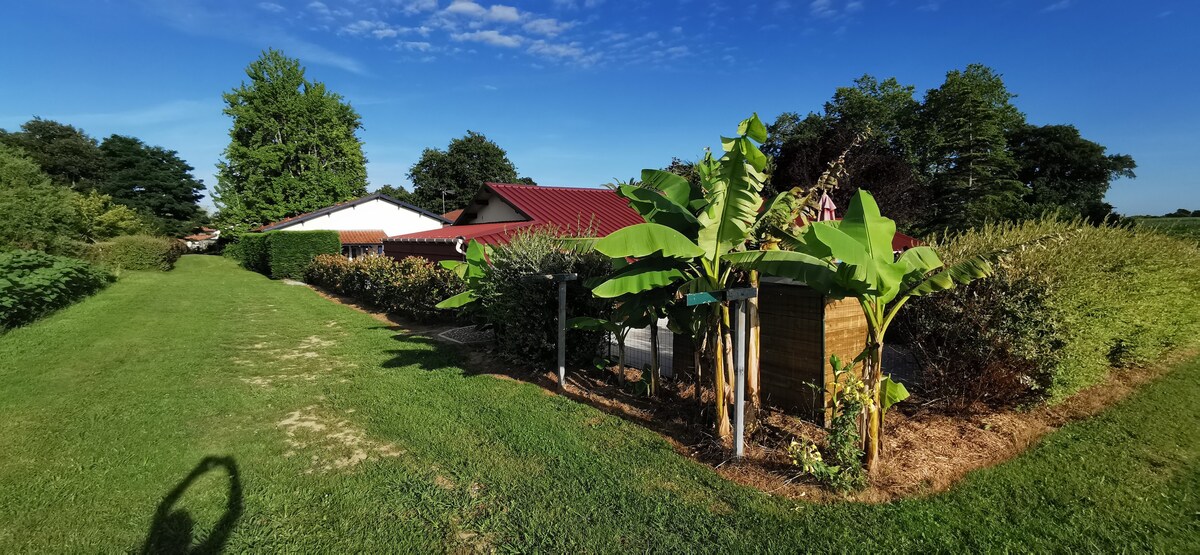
107	406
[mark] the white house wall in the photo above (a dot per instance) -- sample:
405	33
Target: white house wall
373	214
497	210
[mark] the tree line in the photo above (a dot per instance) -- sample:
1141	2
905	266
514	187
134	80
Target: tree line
59	186
961	155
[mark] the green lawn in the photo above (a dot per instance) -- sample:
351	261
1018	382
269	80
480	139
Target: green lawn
341	435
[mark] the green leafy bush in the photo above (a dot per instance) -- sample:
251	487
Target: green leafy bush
290	252
33	284
523	312
841	465
250	250
1057	314
137	252
409	287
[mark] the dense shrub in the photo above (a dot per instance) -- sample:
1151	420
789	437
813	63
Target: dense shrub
524	312
409	287
1057	314
33	284
290	252
250	250
137	252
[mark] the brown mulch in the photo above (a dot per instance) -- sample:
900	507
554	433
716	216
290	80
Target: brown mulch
926	450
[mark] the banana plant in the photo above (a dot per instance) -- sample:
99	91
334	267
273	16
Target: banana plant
627	316
472	271
682	246
853	258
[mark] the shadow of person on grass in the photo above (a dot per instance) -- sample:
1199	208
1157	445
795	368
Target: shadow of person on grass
172	528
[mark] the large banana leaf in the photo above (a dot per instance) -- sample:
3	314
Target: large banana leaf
657	208
642	275
461	299
819	274
642	240
733	200
960	273
672	186
865	224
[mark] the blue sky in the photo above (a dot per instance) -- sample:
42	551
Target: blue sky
582	91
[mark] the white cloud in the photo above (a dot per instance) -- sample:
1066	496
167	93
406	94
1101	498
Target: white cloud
319	8
492	37
548	26
1060	5
270	7
466	7
822	8
507	14
416	46
417	6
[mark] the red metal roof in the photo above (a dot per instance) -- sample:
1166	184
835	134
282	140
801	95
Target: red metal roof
362	236
575	210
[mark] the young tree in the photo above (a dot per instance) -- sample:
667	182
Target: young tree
964	125
450	178
151	180
293	146
34	212
68	155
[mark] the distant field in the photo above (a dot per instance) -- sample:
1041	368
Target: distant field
1187	228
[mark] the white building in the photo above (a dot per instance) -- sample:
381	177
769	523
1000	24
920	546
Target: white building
363	223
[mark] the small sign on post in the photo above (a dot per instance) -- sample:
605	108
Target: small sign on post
740	324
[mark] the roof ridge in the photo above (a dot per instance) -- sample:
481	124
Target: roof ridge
563	187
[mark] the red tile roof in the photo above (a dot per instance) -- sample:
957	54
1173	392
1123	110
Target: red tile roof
576	210
362	236
453	215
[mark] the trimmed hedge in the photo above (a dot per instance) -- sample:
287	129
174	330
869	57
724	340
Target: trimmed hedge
137	252
33	284
1056	316
251	250
283	254
410	287
290	252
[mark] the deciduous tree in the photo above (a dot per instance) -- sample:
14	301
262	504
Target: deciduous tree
151	180
445	180
65	153
293	146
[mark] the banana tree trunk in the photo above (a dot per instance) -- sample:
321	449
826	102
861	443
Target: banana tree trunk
724	427
654	357
752	364
727	353
621	360
873	416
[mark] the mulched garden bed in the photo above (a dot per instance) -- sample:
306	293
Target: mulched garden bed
926	449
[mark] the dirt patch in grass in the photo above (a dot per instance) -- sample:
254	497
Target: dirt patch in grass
331	443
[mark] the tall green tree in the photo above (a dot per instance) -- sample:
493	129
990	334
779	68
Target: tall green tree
1063	171
293	146
151	180
964	126
65	153
34	212
445	180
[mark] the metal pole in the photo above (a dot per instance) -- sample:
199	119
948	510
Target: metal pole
739	388
562	334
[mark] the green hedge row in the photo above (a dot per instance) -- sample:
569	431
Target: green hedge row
410	287
283	254
1058	314
33	284
137	252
